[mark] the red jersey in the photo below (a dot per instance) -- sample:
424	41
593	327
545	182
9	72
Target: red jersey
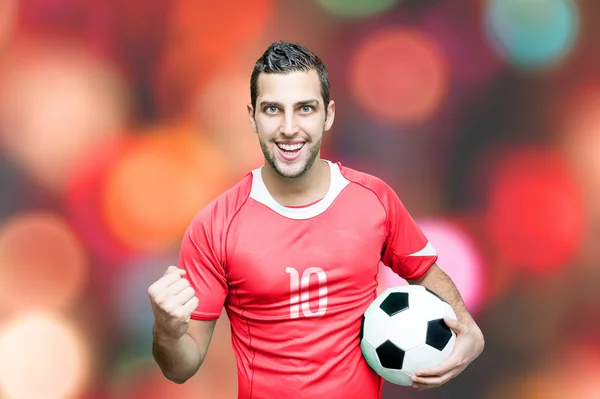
295	282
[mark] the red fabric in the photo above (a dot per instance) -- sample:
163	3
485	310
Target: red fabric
295	290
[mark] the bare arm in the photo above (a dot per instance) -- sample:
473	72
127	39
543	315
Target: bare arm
179	359
469	338
439	282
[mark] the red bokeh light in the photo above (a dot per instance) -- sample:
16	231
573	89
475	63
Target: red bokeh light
85	21
398	75
535	211
83	200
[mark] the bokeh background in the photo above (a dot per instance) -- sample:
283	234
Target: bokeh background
120	119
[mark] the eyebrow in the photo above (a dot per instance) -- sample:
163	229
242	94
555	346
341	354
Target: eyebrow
314	102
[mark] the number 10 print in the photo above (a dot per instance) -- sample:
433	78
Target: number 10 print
299	292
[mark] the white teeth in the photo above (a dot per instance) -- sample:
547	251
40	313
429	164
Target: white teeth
290	147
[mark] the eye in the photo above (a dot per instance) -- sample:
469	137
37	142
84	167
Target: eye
306	109
271	109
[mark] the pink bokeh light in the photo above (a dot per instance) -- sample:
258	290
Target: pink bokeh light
458	256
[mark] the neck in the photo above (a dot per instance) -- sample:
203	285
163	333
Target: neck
310	187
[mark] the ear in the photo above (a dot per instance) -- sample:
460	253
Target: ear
330	115
251	117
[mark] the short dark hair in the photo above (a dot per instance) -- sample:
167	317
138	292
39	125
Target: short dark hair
285	57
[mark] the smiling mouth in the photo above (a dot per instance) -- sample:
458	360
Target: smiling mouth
291	148
290	151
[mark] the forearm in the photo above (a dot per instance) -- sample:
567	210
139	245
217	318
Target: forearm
178	359
440	283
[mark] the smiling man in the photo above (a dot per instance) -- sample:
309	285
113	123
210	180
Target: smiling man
292	253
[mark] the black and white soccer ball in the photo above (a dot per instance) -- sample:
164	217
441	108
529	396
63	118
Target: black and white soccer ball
403	331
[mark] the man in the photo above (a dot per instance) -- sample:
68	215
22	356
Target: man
292	253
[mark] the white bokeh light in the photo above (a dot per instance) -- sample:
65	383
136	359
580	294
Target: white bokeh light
41	357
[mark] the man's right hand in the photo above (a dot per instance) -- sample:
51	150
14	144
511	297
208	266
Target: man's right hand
173	301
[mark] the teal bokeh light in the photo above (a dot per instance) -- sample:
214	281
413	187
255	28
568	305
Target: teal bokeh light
356	8
532	33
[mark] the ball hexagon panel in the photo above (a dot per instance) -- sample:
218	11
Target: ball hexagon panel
407	329
395	303
425	356
426	304
438	334
376	326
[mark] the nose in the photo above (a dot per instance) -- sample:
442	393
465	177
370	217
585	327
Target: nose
289	126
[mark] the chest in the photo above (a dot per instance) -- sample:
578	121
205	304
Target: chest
304	266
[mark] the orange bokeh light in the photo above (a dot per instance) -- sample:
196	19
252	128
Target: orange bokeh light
229	127
535	210
56	102
581	138
398	75
192	55
151	193
8	17
42	356
42	263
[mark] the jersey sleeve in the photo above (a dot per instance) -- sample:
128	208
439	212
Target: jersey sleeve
201	256
406	249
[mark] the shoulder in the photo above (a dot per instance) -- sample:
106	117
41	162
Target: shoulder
369	182
219	212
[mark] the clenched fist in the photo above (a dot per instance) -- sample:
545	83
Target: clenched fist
173	301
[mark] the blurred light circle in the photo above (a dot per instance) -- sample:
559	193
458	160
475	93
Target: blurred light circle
190	41
87	20
42	356
535	210
458	256
581	138
398	75
229	127
532	33
84	202
356	8
42	263
55	103
151	193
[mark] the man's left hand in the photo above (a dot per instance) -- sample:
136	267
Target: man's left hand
468	346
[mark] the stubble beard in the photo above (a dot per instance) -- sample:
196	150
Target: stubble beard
272	161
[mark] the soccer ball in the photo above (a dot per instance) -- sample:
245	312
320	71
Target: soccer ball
403	330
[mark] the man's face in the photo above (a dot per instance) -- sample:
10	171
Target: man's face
290	119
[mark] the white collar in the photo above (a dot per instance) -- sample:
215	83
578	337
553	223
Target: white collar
260	194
